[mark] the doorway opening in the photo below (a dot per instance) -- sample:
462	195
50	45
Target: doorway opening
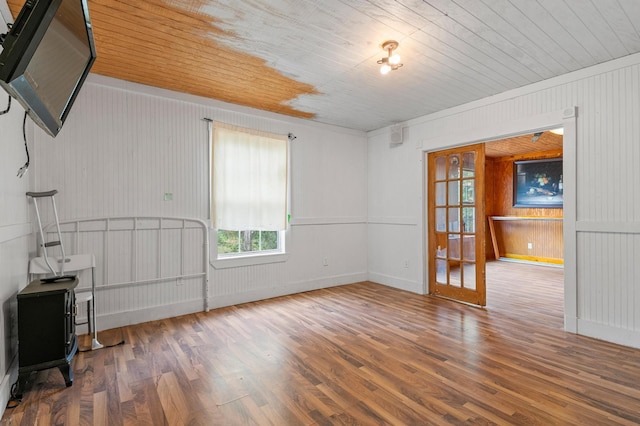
524	207
523	216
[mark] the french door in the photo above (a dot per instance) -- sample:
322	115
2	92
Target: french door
456	225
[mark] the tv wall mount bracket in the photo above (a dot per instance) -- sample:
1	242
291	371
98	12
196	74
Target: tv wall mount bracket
3	36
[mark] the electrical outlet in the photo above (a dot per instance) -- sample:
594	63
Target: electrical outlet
405	264
168	196
325	261
529	246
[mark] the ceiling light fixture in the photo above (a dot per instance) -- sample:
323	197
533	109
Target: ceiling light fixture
392	60
536	136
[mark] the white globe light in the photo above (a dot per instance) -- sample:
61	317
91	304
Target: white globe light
384	69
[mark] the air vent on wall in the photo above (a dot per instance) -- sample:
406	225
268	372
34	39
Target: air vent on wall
396	135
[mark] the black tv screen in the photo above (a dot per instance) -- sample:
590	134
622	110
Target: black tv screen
538	183
46	57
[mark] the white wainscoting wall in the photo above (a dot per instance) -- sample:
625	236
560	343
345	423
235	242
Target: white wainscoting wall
602	285
15	233
124	146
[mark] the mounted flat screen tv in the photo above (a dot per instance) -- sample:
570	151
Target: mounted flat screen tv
46	57
538	183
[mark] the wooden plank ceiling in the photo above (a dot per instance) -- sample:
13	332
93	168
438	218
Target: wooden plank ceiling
317	59
544	142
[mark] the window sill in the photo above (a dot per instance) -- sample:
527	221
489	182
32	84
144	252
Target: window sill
260	259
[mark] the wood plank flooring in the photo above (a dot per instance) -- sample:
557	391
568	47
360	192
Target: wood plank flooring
357	354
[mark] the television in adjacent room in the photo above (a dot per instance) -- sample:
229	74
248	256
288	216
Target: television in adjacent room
46	57
538	183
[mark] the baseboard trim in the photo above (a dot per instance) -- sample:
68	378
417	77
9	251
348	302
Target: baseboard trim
124	318
533	259
7	381
221	301
607	333
570	324
395	282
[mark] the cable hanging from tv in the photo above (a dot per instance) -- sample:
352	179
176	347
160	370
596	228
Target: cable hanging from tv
8	107
22	170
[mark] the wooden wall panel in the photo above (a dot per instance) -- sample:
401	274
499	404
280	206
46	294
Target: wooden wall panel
500	183
514	237
545	238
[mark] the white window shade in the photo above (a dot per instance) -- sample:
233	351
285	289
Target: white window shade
249	179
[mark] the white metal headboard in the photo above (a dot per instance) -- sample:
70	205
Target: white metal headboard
141	251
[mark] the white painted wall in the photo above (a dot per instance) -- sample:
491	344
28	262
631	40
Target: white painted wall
395	215
15	238
356	201
602	273
124	146
15	233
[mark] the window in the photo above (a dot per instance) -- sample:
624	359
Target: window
247	242
249	191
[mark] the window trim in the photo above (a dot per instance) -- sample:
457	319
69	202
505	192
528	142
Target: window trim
278	250
248	258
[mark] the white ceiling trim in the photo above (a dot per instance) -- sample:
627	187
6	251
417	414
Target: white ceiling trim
497	131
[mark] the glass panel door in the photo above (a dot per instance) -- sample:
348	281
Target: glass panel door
455	224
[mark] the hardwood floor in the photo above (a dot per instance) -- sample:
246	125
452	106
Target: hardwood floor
357	354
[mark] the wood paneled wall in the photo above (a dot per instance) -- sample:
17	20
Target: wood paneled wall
514	237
